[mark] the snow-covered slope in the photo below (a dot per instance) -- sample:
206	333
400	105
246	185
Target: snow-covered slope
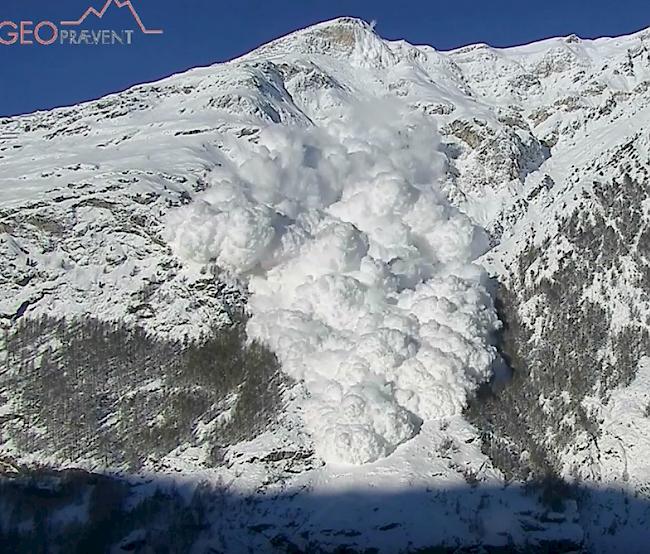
357	193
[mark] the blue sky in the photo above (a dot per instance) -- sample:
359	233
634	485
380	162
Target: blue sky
200	32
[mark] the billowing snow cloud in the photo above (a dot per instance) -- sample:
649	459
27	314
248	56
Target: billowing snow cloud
360	272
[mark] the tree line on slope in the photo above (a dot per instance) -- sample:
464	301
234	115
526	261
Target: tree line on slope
565	347
86	389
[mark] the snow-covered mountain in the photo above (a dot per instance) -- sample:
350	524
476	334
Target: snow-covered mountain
446	252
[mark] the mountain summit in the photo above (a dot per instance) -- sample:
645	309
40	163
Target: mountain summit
343	33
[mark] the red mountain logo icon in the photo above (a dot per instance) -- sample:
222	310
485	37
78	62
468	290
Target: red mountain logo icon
120	4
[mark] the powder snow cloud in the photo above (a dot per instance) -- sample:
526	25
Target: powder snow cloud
360	272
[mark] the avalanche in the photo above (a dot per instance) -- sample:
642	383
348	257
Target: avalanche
361	274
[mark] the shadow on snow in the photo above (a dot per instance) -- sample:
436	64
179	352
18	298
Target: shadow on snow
75	511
